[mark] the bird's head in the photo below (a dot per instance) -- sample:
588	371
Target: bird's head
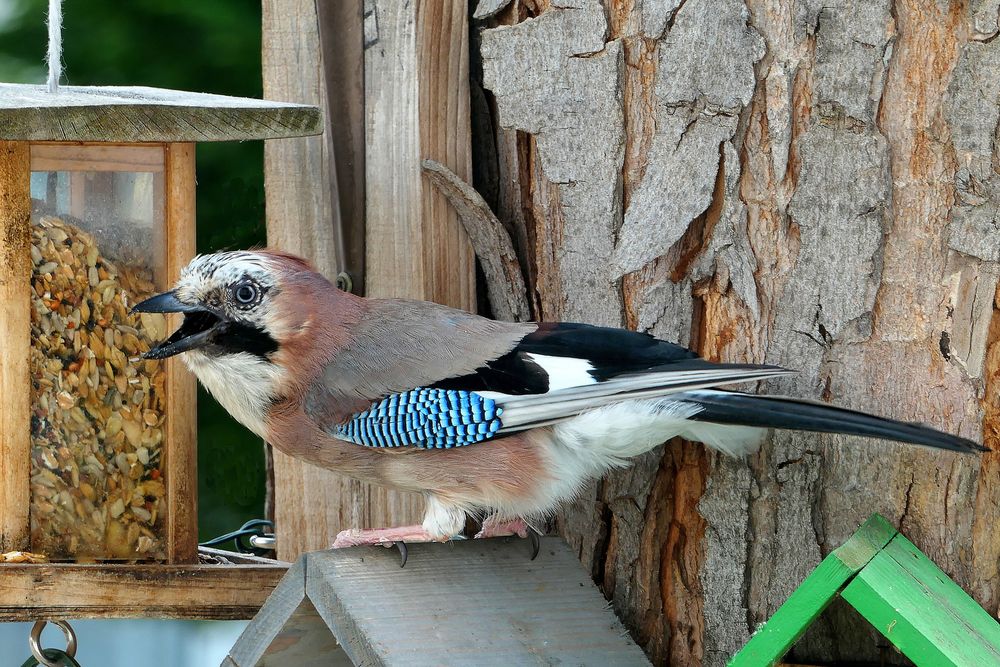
255	324
230	305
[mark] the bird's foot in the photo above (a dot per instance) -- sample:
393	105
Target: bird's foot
493	527
496	528
385	537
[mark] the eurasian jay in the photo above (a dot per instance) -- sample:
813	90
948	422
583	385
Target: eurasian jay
500	419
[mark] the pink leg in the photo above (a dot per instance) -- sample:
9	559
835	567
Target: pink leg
493	527
385	537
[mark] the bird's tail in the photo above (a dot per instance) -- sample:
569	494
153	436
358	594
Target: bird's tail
783	412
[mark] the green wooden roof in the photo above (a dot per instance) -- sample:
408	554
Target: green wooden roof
137	114
897	589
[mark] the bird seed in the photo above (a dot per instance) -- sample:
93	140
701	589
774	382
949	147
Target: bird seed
97	490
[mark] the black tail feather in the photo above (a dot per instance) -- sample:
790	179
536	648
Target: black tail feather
783	412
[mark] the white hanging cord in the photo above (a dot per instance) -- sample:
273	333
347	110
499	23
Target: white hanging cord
55	44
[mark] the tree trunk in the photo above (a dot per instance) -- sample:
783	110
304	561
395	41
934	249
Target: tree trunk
813	184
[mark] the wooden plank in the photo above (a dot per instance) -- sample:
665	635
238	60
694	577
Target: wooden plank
416	107
394	214
481	602
58	591
301	217
309	509
287	596
808	601
943	588
444	126
77	194
61	156
15	322
287	630
138	114
181	436
341	42
921	611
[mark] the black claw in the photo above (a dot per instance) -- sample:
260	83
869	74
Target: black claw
402	553
536	542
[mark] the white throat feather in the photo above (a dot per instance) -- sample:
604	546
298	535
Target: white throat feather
244	384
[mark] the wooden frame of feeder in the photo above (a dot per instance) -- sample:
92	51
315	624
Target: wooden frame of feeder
175	163
117	129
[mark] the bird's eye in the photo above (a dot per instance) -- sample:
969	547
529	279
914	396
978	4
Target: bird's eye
246	293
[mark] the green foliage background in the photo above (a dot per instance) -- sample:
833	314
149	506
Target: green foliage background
205	46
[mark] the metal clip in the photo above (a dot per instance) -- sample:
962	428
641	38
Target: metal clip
265	542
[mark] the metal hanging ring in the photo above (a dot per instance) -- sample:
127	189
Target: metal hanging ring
35	641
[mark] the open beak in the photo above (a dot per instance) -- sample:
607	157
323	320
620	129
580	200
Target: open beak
197	330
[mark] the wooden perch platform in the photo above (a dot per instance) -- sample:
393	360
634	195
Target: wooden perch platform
69	591
475	602
140	114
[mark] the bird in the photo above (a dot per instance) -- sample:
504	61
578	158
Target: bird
503	421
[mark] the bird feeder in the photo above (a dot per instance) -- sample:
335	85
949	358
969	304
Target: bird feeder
97	212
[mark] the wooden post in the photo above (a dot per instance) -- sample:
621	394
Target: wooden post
308	502
341	40
416	106
15	323
181	439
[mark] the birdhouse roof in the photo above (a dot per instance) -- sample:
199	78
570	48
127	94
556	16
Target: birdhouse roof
469	602
897	589
139	114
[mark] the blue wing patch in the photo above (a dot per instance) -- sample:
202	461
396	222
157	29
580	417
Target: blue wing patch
428	418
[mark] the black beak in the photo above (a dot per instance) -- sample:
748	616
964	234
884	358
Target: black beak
197	330
164	303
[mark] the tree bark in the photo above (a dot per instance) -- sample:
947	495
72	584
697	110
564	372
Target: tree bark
812	184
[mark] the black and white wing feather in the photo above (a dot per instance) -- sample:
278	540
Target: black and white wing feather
561	371
553	374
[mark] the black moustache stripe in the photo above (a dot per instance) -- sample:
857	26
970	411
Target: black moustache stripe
235	337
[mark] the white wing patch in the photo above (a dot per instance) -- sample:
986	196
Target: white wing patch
564	372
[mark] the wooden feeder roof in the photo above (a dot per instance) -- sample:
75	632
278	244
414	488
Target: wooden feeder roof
474	602
139	114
